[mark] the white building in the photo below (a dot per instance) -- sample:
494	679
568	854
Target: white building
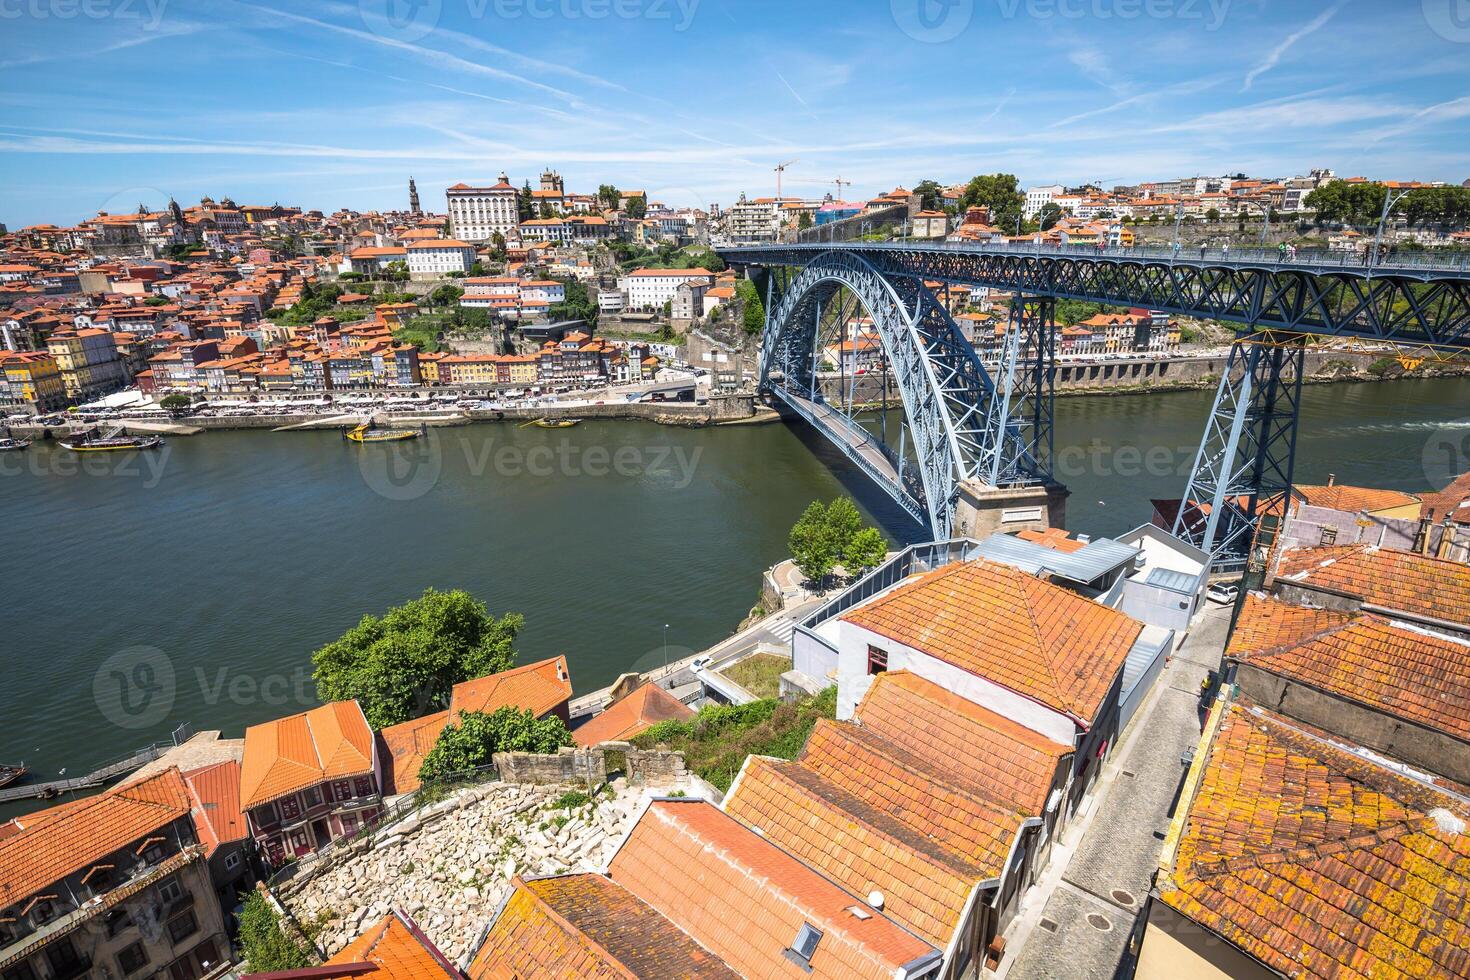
650	289
497	293
438	257
477	213
542	292
610	301
753	221
1039	197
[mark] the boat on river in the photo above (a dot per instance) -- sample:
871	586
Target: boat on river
90	441
363	434
9	774
556	423
8	445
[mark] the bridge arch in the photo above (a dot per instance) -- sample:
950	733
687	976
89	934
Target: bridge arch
956	416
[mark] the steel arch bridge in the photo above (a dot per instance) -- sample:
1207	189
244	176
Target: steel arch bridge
968	426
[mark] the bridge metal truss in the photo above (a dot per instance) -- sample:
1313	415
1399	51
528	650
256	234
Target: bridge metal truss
1421	306
957	424
1242	475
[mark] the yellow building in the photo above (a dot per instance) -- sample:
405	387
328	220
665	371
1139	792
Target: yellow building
523	369
89	362
31	380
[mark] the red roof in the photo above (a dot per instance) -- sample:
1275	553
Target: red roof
632	716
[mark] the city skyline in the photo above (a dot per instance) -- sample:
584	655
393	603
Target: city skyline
335	105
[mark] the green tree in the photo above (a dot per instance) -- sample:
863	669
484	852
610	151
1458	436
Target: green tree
1213	214
811	543
546	211
156	301
445	295
637	207
175	402
929	192
608	196
474	740
525	203
396	272
865	551
267	947
754	317
405	663
805	221
998	192
497	252
578	304
843	522
1049	214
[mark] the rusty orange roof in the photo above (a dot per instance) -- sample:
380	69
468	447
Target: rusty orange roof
1339	496
292	753
1450	502
1317	862
393	948
1402	581
975	748
1054	538
540	687
215	791
1040	640
632	716
584	925
1403	672
925	885
745	899
38	849
405	746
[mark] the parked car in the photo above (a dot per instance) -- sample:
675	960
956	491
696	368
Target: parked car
1223	593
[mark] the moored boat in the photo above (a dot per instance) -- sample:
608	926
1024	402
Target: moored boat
90	442
9	445
557	423
9	774
365	434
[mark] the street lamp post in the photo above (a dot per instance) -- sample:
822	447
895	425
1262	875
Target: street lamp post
1390	200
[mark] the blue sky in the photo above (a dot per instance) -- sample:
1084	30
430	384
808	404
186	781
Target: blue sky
108	103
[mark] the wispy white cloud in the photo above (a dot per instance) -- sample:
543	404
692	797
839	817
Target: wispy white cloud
174	29
1274	56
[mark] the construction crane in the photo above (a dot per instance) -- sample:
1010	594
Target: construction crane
781	169
840	184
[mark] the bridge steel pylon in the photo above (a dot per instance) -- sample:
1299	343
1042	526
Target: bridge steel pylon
960	430
1242	476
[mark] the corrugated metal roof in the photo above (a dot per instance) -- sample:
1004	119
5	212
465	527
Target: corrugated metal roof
1168	578
1153	641
1094	560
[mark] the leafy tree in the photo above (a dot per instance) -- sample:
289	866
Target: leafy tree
546	211
578	304
929	191
754	318
1049	214
176	402
497	252
805	221
405	663
396	272
1213	214
475	739
843	522
525	203
865	551
267	947
609	197
998	192
811	543
445	295
637	207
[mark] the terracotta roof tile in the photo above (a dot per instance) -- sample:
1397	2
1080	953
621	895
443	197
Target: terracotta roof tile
1339	496
216	794
406	744
1407	673
1399	580
40	848
1319	863
539	687
292	753
397	951
975	748
997	622
584	925
745	899
925	885
633	715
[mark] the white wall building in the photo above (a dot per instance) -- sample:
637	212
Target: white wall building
650	289
1039	197
436	258
477	213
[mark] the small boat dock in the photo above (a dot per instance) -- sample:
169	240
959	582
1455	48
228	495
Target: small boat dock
97	777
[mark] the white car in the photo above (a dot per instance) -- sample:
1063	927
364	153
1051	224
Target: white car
1223	594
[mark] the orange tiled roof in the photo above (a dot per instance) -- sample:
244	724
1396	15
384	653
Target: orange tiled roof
406	744
540	687
975	748
997	622
1317	862
583	925
305	749
632	716
1450	501
860	846
1406	673
1054	538
745	899
40	848
397	950
1399	580
1339	496
215	791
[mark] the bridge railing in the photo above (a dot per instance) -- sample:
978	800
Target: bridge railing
1314	259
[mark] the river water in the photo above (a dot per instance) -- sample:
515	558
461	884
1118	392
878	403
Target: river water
191	585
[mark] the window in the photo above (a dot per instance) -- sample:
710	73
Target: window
182	926
232	860
342	789
313	798
132	958
290	807
364	786
877	660
170	891
804	946
21	971
1329	536
117	920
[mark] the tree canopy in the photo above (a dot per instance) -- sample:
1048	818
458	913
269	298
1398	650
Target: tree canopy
1362	204
473	741
831	535
266	945
754	317
609	196
405	663
578	305
929	195
1000	193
